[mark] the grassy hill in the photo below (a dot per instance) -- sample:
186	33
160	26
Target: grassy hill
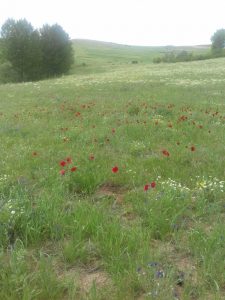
96	56
112	180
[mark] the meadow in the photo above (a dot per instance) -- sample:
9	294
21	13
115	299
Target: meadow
112	180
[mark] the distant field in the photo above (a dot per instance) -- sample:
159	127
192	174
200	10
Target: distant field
112	180
100	56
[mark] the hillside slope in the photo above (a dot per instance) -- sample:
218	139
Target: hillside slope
96	56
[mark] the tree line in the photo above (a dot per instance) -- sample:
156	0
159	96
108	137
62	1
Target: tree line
217	50
29	54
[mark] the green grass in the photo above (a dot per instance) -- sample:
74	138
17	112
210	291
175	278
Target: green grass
95	234
95	56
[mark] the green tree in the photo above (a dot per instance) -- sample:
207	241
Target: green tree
218	41
34	54
57	50
21	47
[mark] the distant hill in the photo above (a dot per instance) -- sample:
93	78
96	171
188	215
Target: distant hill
96	55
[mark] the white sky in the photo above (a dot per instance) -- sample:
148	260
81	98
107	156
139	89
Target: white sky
133	22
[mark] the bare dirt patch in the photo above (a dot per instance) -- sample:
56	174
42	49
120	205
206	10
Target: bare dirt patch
112	189
86	279
99	278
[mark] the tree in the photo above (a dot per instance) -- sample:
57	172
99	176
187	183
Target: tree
57	50
218	41
21	47
35	54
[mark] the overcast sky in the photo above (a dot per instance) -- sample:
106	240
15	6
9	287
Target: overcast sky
132	22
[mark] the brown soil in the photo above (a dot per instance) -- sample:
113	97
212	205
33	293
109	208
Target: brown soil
112	189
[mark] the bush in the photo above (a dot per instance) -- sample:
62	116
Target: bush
182	56
7	73
157	60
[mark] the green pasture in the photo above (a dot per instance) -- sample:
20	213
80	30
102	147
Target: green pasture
97	234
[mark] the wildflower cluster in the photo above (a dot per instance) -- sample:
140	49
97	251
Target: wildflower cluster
151	185
209	183
14	209
3	179
65	165
11	211
174	185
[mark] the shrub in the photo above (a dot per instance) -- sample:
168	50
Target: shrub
7	73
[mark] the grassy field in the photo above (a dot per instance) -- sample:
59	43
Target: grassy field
112	180
95	56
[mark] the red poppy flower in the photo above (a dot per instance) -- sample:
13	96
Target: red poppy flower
62	172
62	163
73	169
153	184
165	152
115	169
146	187
91	157
193	148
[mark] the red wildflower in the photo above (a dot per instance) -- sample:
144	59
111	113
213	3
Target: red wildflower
165	152
146	187
115	169
193	148
62	172
153	184
73	169
62	163
91	157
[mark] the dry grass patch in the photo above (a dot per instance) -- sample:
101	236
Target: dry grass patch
112	189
